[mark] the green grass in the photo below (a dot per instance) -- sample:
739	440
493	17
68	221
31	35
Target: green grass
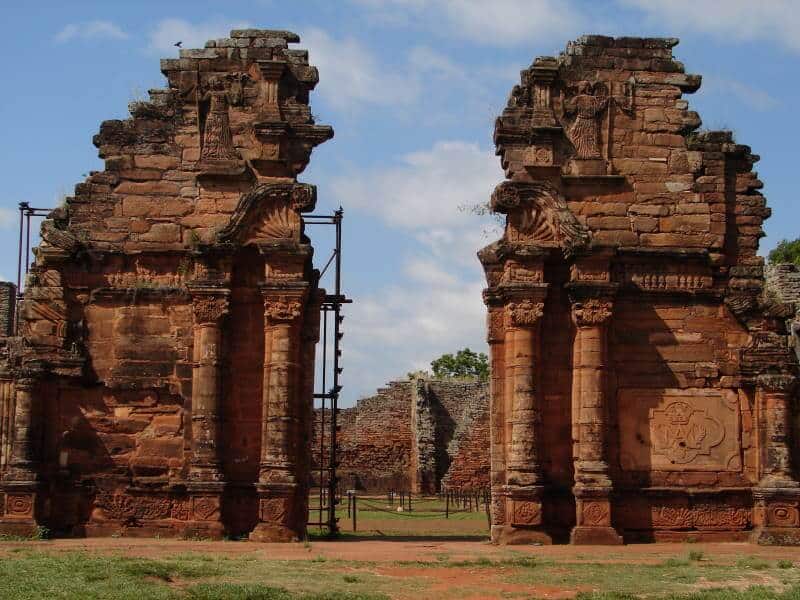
34	573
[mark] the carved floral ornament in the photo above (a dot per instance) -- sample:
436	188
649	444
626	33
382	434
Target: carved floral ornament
525	313
210	309
282	308
538	215
591	312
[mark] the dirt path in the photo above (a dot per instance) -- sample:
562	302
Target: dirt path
393	551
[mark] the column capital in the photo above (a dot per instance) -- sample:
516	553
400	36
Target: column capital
591	312
282	308
209	309
524	313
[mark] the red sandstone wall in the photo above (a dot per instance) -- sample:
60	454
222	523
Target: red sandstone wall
376	437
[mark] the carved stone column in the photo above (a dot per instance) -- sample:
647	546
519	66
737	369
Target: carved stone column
592	484
777	497
278	483
205	478
209	311
524	480
21	481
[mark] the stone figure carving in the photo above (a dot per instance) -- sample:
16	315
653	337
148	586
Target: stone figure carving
587	106
216	136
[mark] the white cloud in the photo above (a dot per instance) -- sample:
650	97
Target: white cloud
434	305
8	218
739	19
168	32
403	327
90	30
496	23
352	75
426	189
750	96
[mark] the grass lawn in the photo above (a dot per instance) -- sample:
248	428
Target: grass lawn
33	573
377	518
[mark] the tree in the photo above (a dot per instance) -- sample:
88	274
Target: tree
786	252
465	364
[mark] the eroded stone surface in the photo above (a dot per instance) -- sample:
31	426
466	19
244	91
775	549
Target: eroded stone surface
419	435
155	386
641	378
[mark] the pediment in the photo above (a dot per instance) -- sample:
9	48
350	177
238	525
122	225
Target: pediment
538	215
270	213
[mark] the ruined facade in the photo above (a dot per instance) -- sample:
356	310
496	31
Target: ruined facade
642	381
162	379
419	435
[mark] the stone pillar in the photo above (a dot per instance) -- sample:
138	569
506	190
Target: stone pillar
209	312
777	496
495	327
206	480
6	421
21	480
592	485
278	485
524	482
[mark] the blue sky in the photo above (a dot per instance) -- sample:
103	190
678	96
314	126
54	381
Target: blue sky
412	88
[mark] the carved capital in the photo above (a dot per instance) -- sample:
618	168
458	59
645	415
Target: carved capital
777	383
209	309
282	308
525	313
592	312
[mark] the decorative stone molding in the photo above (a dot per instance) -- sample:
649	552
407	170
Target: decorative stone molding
209	309
538	215
282	308
592	312
525	313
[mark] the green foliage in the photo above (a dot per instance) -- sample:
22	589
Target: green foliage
465	364
786	252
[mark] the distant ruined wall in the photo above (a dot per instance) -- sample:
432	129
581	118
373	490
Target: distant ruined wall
414	435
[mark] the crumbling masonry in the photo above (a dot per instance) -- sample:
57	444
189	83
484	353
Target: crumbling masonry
420	435
162	379
642	382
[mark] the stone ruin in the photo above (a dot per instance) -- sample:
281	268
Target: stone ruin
419	435
642	382
162	377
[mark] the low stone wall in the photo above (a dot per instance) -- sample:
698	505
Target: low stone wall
414	435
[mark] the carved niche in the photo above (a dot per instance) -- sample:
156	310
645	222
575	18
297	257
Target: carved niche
679	430
538	215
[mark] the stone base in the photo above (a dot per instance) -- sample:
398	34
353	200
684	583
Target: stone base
270	532
17	528
604	536
777	536
508	535
211	530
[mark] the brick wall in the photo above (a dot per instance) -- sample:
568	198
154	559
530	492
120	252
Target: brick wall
8	292
414	435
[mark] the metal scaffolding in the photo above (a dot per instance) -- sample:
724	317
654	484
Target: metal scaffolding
331	318
26	213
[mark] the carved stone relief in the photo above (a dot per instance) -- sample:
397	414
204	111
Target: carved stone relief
679	429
